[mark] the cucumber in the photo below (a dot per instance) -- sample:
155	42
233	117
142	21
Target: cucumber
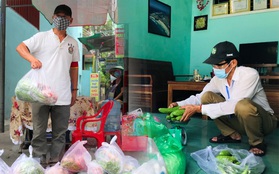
168	110
168	117
178	112
225	153
229	158
178	117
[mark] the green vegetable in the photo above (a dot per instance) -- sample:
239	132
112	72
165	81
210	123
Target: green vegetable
168	110
229	158
178	112
225	153
178	118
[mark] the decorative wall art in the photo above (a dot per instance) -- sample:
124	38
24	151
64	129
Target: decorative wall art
259	4
220	9
200	23
239	6
159	18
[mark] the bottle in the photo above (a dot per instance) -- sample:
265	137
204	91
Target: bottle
197	76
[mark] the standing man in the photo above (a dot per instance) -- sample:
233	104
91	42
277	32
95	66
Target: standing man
57	54
235	99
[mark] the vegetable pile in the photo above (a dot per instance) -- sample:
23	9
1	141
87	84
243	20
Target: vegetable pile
30	91
173	114
228	163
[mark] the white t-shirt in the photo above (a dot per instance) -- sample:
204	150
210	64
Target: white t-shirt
245	84
56	58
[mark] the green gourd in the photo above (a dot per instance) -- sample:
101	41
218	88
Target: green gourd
168	110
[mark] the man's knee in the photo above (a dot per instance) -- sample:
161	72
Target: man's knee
245	107
211	97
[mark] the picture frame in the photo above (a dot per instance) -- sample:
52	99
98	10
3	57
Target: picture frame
237	6
220	9
259	4
159	18
274	3
200	22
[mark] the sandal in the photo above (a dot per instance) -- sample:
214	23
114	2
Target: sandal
224	139
259	147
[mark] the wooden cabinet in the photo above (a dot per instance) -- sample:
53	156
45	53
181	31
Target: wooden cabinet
140	92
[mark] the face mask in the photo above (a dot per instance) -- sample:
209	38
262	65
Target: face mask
221	73
61	23
112	78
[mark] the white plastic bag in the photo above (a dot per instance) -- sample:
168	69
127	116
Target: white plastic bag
152	166
94	168
4	168
248	162
56	169
130	164
76	158
27	165
110	157
33	87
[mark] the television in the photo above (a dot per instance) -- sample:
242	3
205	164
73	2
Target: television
258	53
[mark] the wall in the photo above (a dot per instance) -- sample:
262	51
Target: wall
247	27
141	44
17	30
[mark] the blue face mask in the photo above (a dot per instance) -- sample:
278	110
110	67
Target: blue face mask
221	73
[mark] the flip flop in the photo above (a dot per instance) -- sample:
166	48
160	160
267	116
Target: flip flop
224	139
261	146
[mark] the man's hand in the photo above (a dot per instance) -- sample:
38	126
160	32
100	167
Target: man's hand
173	105
74	97
189	111
35	64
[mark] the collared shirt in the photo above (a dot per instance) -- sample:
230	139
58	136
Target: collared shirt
56	58
245	84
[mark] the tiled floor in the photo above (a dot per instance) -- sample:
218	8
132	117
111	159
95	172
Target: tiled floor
198	131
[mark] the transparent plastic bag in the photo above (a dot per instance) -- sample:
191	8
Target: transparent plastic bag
33	87
94	168
4	168
130	164
27	165
110	157
56	169
76	158
247	162
152	166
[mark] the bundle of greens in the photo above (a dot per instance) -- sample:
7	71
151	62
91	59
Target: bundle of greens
30	91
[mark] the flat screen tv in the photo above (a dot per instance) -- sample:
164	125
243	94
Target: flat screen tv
258	53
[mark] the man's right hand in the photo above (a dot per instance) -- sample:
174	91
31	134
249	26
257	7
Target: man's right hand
36	64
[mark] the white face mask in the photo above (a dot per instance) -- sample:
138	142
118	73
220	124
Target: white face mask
112	78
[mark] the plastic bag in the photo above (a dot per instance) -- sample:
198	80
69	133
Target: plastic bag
76	158
4	168
152	166
110	157
33	87
130	164
94	168
27	165
172	152
56	169
146	125
248	162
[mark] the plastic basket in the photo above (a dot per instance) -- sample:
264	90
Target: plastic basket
134	143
